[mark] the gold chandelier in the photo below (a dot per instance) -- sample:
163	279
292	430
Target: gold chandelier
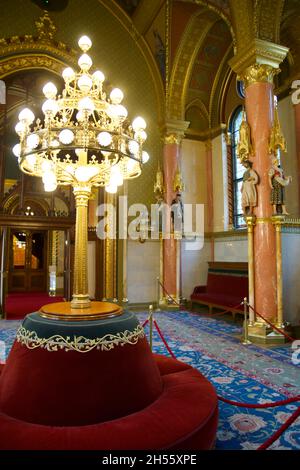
85	141
86	137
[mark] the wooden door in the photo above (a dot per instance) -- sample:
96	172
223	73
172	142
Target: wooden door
28	261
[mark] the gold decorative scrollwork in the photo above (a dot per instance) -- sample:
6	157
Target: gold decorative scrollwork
244	146
178	184
79	344
277	140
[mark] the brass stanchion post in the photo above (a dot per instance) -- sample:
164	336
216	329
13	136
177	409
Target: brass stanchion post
158	294
245	338
250	220
151	326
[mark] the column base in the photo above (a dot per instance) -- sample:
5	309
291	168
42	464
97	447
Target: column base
166	304
264	334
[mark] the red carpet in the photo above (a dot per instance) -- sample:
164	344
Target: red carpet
17	305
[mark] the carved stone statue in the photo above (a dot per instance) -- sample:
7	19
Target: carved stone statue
177	213
278	181
248	189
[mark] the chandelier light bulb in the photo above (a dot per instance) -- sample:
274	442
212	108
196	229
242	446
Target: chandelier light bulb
85	83
49	187
82	174
122	112
116	177
131	165
139	124
68	74
46	166
26	115
17	150
145	157
50	107
117	111
85	43
86	105
54	143
31	160
98	76
50	90
111	189
20	128
140	135
104	139
116	96
80	116
133	147
49	178
85	62
66	136
32	141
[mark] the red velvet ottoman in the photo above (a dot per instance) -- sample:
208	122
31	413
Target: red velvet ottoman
97	386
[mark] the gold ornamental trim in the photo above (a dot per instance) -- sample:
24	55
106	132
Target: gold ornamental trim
264	220
80	344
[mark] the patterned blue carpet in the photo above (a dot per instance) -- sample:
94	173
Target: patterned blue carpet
252	374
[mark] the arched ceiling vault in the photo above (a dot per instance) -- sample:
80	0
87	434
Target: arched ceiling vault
191	41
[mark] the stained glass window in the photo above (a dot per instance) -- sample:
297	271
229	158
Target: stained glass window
237	169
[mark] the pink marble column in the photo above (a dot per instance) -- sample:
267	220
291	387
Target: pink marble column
210	197
297	129
259	108
170	159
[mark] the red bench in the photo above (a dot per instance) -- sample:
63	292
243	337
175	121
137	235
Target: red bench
227	285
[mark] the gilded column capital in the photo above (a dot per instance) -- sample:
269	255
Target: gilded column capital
258	73
174	131
259	61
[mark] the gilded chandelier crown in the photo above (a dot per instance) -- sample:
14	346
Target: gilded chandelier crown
86	137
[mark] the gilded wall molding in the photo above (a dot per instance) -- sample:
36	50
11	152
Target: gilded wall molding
27	61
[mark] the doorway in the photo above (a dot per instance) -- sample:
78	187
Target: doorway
28	261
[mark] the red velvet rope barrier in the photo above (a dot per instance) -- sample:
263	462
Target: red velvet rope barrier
163	339
271	324
145	323
280	431
260	405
